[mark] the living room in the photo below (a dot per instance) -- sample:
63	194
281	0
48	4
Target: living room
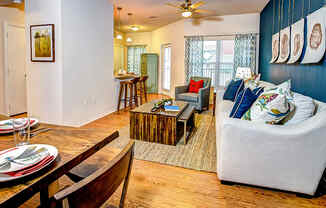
162	103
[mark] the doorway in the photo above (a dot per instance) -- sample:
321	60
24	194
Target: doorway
15	69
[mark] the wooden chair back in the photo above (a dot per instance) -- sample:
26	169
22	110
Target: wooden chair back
96	189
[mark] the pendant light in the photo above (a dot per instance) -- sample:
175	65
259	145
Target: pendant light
119	36
132	27
129	40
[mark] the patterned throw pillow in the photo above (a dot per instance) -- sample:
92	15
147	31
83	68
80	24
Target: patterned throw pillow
283	89
252	82
270	108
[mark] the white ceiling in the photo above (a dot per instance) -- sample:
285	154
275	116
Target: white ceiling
143	10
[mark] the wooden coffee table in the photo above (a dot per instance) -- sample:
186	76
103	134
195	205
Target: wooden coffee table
159	127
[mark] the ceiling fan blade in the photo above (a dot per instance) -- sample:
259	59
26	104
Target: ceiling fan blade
173	5
204	11
203	18
197	4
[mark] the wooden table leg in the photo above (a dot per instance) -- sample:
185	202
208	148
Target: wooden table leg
214	106
185	132
48	192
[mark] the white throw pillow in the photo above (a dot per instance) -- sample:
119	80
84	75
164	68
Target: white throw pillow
304	109
270	107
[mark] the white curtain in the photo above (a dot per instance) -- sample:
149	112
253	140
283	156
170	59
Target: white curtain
134	58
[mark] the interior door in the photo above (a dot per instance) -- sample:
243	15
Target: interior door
16	72
152	68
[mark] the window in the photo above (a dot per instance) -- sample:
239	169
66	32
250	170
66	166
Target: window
166	73
218	61
134	58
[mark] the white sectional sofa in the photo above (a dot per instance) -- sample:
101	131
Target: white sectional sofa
290	158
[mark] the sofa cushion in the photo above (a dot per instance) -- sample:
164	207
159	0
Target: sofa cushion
225	106
191	97
270	107
243	102
233	89
304	109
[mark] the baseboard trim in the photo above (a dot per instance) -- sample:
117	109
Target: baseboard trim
97	116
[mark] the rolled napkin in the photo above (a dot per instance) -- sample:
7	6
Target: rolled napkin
33	168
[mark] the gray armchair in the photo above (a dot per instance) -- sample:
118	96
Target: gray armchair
198	100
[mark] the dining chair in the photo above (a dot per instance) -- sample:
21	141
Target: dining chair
94	190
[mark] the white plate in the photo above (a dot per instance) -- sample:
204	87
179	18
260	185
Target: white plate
6	125
51	149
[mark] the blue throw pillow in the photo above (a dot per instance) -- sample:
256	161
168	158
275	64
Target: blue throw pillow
233	90
243	102
258	91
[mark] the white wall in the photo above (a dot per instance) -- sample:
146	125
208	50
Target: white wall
79	86
171	34
10	16
174	34
88	88
45	80
142	38
231	24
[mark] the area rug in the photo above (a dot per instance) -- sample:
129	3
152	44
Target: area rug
199	153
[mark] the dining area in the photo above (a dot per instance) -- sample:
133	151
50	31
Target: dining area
38	164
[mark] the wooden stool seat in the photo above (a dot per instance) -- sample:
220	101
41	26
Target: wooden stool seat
133	97
142	89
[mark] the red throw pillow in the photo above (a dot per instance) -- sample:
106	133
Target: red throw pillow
195	86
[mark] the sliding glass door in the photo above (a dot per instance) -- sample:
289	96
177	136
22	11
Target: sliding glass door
218	58
166	72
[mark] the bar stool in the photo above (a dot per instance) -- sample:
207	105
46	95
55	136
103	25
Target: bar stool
142	89
133	95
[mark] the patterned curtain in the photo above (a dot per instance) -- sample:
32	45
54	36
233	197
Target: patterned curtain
245	52
134	58
194	56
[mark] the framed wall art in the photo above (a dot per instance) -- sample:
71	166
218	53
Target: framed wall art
284	45
42	43
297	41
316	44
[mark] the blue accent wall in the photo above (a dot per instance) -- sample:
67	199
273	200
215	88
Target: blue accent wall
309	79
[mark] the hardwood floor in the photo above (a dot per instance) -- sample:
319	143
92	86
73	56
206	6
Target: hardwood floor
154	185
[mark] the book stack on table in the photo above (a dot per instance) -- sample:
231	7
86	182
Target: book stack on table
171	108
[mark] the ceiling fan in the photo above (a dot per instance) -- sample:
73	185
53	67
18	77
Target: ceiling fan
191	10
188	9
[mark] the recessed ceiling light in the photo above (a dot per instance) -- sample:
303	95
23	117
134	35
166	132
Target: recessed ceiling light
129	40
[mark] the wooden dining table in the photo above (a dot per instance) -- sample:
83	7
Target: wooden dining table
70	142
